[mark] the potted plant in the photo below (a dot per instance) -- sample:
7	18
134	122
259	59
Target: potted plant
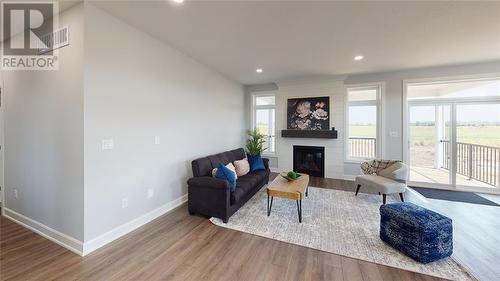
255	142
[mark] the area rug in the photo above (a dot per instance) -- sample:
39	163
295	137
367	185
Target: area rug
333	221
457	196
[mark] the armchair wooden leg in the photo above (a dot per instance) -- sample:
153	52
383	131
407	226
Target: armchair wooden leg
357	189
384	198
401	196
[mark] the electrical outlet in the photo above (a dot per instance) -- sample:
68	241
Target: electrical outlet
107	144
124	203
151	192
393	134
16	194
157	140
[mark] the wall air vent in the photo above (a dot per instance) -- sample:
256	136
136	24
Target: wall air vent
54	40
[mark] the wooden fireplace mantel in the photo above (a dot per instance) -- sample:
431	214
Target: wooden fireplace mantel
319	134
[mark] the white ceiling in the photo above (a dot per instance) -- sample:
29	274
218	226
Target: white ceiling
305	38
447	88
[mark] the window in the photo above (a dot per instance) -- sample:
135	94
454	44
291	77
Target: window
264	108
363	122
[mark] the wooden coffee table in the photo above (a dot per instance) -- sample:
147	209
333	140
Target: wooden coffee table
294	190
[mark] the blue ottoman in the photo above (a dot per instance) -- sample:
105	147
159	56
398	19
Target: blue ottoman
421	234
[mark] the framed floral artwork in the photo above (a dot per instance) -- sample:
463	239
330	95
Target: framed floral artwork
308	113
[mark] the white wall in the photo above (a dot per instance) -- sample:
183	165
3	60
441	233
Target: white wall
334	148
335	88
136	88
43	114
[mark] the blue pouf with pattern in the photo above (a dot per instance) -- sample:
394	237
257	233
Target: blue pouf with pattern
421	234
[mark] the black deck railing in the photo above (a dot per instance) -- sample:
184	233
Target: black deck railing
478	162
362	147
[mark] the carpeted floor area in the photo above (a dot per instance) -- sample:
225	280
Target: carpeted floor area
333	221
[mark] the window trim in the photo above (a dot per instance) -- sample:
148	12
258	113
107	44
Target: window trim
255	107
379	103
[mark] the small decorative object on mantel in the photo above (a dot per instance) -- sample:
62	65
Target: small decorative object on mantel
308	113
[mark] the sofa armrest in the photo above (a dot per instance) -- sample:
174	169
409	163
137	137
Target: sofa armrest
208	182
266	163
209	196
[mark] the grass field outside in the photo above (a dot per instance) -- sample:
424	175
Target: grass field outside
425	135
423	140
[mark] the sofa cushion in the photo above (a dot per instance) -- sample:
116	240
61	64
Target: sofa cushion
245	184
242	189
242	167
380	184
230	166
261	174
202	167
238	154
256	162
250	177
225	173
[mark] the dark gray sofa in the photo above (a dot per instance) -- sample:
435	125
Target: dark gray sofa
211	196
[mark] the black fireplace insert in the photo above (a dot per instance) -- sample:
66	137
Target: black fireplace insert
309	160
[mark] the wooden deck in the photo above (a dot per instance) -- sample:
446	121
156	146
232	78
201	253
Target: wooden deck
433	175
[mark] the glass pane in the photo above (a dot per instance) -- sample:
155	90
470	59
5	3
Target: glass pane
362	131
265	123
457	90
262	121
267	100
478	145
430	148
362	95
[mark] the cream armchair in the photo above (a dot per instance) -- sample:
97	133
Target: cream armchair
384	177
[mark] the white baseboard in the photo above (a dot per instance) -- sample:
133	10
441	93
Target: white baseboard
125	228
78	246
349	177
53	235
275	170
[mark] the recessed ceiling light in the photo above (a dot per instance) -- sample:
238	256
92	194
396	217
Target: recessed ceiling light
259	70
178	1
358	57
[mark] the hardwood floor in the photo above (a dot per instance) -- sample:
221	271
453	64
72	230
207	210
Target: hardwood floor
178	246
476	231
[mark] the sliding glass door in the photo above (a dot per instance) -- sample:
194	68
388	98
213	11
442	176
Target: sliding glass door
429	143
453	134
